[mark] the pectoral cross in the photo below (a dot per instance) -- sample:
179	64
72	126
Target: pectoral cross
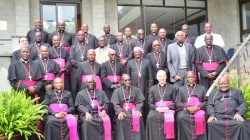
108	45
46	77
93	105
60	63
60	105
157	65
139	74
210	60
82	57
120	55
161	102
188	100
115	78
30	77
126	107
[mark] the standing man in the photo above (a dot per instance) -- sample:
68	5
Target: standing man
78	54
141	74
110	39
66	39
102	51
61	57
128	103
91	103
164	41
50	69
180	57
35	47
26	75
38	28
160	120
188	37
144	44
89	68
128	39
90	39
153	36
225	111
23	42
111	72
191	104
210	61
208	30
158	59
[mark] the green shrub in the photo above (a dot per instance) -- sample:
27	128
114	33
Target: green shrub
19	114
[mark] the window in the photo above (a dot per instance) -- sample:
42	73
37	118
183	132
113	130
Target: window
244	18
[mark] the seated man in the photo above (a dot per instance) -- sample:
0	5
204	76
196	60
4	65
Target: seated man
225	110
160	120
128	102
191	103
91	104
59	123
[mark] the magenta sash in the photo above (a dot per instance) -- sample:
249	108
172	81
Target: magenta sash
210	66
31	83
135	117
199	116
106	121
71	120
49	76
67	48
97	80
168	119
123	59
114	79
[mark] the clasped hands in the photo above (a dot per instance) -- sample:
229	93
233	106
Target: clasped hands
193	109
121	115
89	116
60	114
162	109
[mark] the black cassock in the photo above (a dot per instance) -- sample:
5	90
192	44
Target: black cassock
86	68
158	61
55	53
90	40
130	41
91	130
146	45
24	71
152	37
55	128
16	56
186	121
164	44
66	38
35	48
223	106
31	35
122	51
203	54
155	120
123	129
78	54
47	66
190	39
110	39
142	77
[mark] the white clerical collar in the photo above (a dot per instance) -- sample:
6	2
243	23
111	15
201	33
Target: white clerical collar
162	84
24	61
139	59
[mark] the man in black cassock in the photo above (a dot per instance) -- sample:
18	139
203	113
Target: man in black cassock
128	39
191	104
90	39
38	28
61	56
210	61
78	54
26	75
122	50
91	104
141	74
59	123
66	38
225	110
164	41
110	39
160	120
23	42
189	38
35	47
111	72
144	44
153	36
50	70
158	59
128	103
89	68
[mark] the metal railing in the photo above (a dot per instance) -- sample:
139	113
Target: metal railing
241	51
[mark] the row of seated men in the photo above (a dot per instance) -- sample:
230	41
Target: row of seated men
225	107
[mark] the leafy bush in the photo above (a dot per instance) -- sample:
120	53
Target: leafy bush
19	114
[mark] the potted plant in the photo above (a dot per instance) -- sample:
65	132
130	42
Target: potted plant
19	115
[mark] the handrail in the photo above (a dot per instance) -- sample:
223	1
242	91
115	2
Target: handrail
235	56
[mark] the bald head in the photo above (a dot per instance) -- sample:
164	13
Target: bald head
140	34
25	53
161	76
190	76
208	28
156	45
128	32
106	29
56	40
153	28
162	33
58	83
179	36
61	25
85	27
37	24
223	84
91	55
208	38
185	29
119	37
